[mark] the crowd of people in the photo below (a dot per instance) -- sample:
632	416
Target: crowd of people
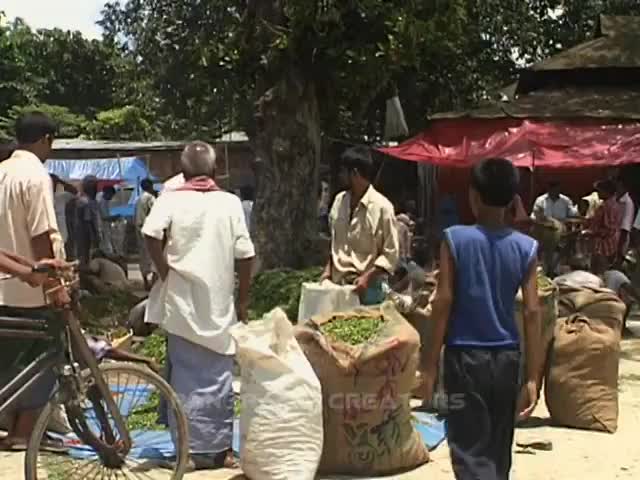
197	258
591	238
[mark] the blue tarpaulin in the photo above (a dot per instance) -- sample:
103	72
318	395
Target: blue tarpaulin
158	444
127	170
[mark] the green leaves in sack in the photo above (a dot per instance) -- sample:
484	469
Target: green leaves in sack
353	330
544	282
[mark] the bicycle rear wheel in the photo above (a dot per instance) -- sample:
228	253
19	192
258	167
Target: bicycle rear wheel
155	454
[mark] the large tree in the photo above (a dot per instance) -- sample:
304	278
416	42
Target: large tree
290	71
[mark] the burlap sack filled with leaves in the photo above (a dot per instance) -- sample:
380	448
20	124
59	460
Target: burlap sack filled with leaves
549	233
366	390
581	385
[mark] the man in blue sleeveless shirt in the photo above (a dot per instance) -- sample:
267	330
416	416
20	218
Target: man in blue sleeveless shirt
481	269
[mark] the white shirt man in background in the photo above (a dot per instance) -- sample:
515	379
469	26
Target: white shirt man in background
247	195
553	205
628	214
194	303
63	193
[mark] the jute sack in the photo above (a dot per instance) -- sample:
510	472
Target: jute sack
366	391
549	234
581	385
595	303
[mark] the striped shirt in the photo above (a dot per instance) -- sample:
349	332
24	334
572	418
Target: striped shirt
605	226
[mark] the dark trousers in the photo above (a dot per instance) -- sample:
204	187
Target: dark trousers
16	355
482	387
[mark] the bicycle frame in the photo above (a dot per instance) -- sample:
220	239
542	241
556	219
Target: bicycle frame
56	357
28	329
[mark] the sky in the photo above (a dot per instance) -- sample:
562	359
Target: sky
66	14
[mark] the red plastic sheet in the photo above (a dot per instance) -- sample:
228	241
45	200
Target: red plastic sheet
527	143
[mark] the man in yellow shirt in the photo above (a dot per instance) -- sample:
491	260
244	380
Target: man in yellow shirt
364	234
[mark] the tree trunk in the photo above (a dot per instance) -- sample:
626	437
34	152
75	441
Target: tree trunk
288	143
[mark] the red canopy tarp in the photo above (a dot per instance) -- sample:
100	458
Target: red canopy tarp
527	143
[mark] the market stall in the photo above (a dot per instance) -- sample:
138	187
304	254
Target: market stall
125	173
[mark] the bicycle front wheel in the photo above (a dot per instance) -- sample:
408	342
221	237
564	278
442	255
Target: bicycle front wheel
156	452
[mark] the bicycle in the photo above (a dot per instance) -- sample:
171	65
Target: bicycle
99	411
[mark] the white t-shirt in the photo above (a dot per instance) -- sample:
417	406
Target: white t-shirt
247	207
628	212
559	209
206	233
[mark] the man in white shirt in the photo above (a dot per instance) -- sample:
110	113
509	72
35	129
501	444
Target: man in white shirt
106	231
194	299
553	205
63	193
248	197
627	222
551	210
28	228
143	208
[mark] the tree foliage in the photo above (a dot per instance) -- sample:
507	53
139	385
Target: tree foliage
126	123
203	59
58	68
285	71
70	125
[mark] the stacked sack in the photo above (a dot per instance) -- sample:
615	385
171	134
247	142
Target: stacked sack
581	385
368	427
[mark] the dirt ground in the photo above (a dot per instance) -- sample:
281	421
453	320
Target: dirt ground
575	455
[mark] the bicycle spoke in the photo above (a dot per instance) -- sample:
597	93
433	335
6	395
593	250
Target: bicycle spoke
131	388
70	471
141	475
86	475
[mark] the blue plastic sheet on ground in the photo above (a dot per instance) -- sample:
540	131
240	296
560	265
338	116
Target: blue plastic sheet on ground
156	445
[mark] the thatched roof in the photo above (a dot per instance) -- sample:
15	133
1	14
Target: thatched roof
596	79
616	45
610	25
612	104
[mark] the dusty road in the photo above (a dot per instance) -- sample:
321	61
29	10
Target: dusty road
575	455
